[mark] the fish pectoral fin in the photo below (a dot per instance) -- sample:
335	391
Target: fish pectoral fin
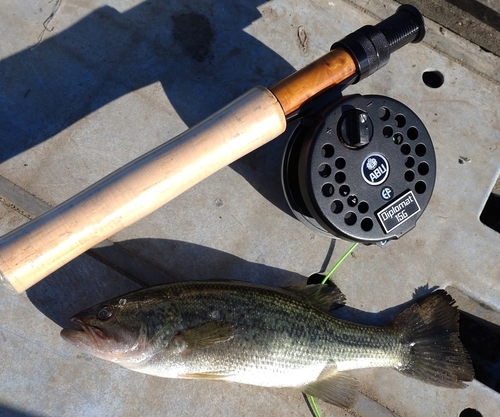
325	297
205	335
206	375
337	388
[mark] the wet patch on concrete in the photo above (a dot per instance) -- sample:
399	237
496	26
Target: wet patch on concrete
194	33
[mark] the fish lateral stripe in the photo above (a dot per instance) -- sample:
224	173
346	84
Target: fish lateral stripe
216	376
384	361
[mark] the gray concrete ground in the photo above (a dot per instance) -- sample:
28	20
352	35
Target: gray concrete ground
100	83
476	21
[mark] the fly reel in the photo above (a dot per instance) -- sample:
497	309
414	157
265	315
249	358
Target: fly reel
360	169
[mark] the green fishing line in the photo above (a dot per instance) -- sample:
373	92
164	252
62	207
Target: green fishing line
327	277
313	406
345	255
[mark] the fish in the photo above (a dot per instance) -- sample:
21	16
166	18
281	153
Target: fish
271	337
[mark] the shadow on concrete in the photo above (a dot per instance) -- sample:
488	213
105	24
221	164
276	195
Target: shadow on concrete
85	281
12	412
384	317
197	50
482	340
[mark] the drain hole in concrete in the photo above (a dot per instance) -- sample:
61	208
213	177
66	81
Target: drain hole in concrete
490	216
470	412
433	78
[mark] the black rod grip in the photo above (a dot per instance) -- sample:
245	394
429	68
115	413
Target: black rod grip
371	46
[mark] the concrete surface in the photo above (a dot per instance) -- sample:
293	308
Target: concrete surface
476	20
106	81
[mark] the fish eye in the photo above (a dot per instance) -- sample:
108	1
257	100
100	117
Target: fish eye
105	313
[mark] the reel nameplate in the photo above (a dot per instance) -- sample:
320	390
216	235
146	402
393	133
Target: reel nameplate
397	212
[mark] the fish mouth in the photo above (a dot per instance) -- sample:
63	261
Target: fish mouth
87	337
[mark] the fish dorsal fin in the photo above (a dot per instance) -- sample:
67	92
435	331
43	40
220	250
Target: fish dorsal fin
326	297
205	335
323	296
335	388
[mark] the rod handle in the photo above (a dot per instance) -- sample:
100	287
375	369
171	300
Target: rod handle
41	246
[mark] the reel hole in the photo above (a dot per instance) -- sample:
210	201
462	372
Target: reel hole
409	175
337	207
420	149
340	163
328	190
420	187
423	168
324	170
387	131
340	177
405	149
412	133
350	218
344	190
327	151
363	207
352	200
397	138
366	224
409	162
384	113
400	120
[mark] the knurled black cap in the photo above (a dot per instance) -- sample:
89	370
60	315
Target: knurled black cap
405	26
371	46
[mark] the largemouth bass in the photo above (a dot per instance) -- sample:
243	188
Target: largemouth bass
272	337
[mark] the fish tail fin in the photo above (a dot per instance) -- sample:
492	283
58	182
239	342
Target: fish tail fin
432	348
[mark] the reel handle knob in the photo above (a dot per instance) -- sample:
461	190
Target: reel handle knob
356	129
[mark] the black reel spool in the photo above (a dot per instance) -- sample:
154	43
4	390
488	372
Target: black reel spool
361	169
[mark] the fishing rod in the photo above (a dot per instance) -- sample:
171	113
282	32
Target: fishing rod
36	249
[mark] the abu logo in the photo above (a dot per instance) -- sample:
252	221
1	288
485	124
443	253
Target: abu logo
371	163
378	172
375	169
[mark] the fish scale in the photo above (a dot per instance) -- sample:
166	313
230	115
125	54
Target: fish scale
289	324
274	337
274	320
